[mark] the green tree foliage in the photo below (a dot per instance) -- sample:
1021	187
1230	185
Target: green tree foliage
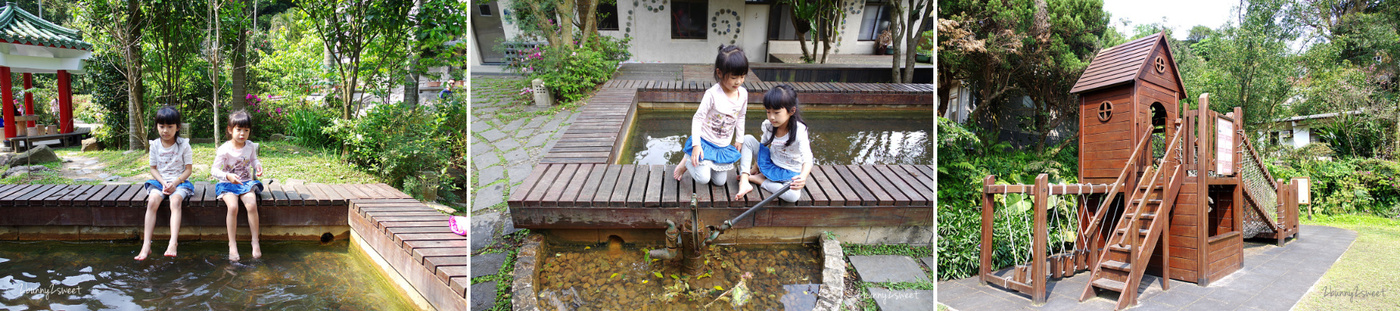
347	29
1249	64
1003	49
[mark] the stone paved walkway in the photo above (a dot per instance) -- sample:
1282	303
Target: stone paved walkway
895	268
509	136
1273	278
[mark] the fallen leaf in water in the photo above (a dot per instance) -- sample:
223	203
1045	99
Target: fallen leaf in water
719	288
587	247
613	275
645	281
658	275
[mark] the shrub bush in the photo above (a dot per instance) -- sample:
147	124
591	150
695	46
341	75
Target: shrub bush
396	142
1345	186
571	73
963	161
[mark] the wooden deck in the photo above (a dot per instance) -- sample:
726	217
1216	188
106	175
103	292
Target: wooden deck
411	236
576	186
414	239
124	205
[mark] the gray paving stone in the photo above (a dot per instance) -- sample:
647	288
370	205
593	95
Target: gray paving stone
487	109
492	135
489	196
483	295
519	156
485	160
490	174
888	268
513	125
553	124
518	173
506	144
537	141
481	147
487	264
535	122
483	231
928	262
899	300
480	126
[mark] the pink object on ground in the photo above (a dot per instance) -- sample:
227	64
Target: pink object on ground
458	225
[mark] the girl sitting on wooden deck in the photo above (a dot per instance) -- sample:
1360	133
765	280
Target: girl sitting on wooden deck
172	162
708	155
785	153
235	166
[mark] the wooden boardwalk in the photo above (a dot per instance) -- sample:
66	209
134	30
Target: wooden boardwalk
576	186
411	236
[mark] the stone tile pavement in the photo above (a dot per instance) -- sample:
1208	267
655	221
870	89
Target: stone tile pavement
509	136
1273	278
895	268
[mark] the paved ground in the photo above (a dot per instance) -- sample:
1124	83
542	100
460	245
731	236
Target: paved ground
895	268
1273	278
508	138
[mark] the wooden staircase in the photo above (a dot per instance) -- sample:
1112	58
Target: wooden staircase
1130	247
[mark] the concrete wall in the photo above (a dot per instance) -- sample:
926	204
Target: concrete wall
649	26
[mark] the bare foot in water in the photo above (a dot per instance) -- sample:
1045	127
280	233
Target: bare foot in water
170	251
257	251
145	251
233	252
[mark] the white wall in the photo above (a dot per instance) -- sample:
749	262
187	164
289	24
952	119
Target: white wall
651	33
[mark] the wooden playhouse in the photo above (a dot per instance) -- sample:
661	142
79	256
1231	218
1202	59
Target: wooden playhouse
1143	155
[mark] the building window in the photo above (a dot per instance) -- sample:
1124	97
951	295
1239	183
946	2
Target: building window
871	19
485	9
607	16
688	20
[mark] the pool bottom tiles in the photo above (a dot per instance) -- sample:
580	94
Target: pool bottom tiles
298	275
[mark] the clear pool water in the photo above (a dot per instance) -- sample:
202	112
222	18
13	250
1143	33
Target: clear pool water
292	275
838	137
598	277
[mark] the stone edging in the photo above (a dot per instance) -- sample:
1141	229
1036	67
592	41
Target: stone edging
833	275
523	288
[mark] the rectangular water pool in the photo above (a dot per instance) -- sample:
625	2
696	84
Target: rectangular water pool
901	136
292	275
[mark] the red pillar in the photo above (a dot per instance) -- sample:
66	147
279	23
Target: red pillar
7	96
65	103
29	98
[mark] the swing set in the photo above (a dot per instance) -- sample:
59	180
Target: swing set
1165	190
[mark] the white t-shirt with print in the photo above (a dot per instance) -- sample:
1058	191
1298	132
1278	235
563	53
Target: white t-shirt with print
171	161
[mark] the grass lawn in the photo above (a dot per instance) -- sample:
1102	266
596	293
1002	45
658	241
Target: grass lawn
280	160
1366	276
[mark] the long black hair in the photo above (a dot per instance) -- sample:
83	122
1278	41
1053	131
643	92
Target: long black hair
168	115
784	96
731	61
241	119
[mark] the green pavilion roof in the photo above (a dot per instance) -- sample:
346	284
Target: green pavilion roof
18	26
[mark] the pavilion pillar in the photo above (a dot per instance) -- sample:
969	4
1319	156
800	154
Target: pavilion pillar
65	103
29	98
7	97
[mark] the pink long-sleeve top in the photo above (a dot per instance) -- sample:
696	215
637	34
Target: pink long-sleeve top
719	119
242	163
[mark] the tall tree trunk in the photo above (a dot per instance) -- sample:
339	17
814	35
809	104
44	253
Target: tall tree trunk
410	83
567	11
239	76
589	11
136	139
897	35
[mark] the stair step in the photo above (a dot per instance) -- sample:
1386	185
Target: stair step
1142	232
1110	284
1117	265
1120	248
1149	201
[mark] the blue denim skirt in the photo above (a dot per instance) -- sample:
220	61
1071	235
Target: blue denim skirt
237	189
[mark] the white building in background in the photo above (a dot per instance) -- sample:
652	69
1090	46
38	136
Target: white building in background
690	31
1297	132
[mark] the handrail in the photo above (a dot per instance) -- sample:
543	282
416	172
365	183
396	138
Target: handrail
1132	229
1103	207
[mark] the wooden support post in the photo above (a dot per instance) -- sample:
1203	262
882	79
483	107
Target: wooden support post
29	98
1238	205
1038	263
65	102
6	96
1204	163
987	215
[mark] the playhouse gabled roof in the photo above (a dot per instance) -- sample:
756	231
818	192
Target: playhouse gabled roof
19	26
1124	63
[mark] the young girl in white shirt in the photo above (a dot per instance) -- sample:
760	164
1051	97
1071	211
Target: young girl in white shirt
784	154
718	121
172	162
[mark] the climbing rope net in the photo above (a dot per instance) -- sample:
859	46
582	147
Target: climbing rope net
1259	187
